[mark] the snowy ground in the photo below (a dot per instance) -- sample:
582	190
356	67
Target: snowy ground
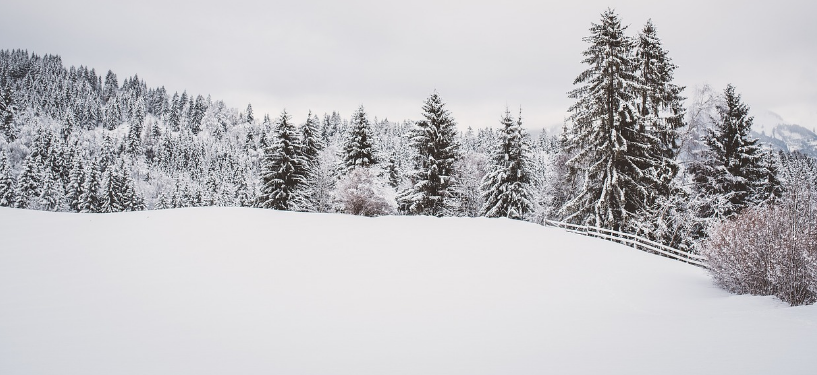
243	291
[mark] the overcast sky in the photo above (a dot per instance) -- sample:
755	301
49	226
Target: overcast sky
389	56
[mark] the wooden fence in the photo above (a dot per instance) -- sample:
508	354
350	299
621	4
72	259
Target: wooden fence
632	241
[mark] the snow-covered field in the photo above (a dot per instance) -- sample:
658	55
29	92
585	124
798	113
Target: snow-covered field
246	291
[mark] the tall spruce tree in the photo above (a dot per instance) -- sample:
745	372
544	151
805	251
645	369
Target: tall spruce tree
6	183
311	140
434	138
111	87
605	137
76	180
29	183
315	180
661	110
250	117
175	115
358	150
733	169
283	169
89	198
507	187
7	107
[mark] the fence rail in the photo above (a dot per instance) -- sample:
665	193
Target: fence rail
632	241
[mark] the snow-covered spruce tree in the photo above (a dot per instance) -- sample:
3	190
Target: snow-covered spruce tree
605	138
661	109
52	195
113	115
89	198
506	188
311	142
283	169
319	179
732	169
250	117
6	183
7	108
76	180
661	115
435	140
29	184
174	117
358	150
110	193
111	86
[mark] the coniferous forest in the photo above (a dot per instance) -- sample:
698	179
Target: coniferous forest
638	154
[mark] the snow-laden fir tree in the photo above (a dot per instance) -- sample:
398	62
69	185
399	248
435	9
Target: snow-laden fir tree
734	170
110	192
605	137
250	116
661	110
358	151
76	180
52	195
506	188
174	117
29	184
435	140
311	142
283	169
318	180
7	108
89	198
6	183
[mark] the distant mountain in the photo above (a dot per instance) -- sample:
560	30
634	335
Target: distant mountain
772	131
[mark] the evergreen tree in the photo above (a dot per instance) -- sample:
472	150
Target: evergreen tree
507	188
69	124
661	109
76	179
250	117
7	108
6	183
283	169
130	199
733	166
310	140
110	192
198	111
113	115
139	113
111	87
314	185
89	198
133	141
29	184
52	195
437	151
358	150
175	117
605	138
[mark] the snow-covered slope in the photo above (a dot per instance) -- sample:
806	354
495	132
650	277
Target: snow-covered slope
244	291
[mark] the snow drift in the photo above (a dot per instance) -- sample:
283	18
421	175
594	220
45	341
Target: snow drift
247	291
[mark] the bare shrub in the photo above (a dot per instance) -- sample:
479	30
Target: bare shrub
768	250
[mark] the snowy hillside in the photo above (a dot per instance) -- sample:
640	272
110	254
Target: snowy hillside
250	291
